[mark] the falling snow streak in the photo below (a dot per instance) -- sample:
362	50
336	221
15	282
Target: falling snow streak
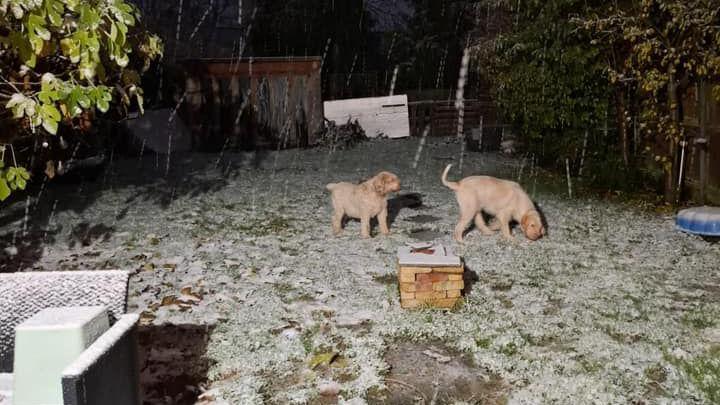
460	103
26	218
394	80
418	153
243	106
244	39
352	69
142	151
325	52
240	12
171	120
202	19
50	219
392	45
177	30
441	68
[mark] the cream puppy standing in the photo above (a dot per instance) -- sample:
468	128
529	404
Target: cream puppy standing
363	201
503	199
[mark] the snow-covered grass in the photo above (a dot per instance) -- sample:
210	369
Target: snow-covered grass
613	306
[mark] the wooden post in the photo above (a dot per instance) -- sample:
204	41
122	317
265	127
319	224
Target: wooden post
703	144
582	155
569	182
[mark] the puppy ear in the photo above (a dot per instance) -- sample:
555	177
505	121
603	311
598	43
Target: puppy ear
525	221
379	183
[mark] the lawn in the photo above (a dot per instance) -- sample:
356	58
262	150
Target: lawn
241	283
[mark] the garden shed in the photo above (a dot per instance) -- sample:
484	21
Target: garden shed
252	103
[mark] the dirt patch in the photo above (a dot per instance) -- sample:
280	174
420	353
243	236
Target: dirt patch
424	234
423	219
173	365
426	373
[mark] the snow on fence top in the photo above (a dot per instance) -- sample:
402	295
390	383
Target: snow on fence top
387	115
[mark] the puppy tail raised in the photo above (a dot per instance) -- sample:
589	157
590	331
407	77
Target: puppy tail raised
331	186
453	185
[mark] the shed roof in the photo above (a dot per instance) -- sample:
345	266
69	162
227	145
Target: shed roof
229	67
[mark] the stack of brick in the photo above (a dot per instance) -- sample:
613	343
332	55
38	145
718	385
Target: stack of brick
430	277
434	286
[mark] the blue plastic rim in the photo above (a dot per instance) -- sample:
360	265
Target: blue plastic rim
699	221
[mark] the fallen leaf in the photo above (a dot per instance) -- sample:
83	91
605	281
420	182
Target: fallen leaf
188	294
322	359
168	300
146	317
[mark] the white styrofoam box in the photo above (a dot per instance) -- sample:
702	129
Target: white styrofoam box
440	257
45	344
6	384
386	115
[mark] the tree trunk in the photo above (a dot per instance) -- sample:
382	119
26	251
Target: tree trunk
622	124
674	109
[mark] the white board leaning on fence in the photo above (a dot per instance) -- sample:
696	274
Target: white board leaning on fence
386	115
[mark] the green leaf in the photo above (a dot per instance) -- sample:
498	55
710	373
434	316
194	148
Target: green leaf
113	32
103	105
71	49
15	100
23	173
10	175
122	59
48	97
50	118
53	14
50	111
50	126
84	101
4	190
21	183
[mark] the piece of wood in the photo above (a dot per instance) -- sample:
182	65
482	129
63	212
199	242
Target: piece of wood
407	274
387	115
454	293
416	287
406	277
455	277
430	295
448	285
407	295
431	277
453	270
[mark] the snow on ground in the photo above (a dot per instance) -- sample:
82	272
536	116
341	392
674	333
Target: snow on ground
613	306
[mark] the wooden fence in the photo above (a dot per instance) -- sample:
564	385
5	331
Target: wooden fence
442	119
